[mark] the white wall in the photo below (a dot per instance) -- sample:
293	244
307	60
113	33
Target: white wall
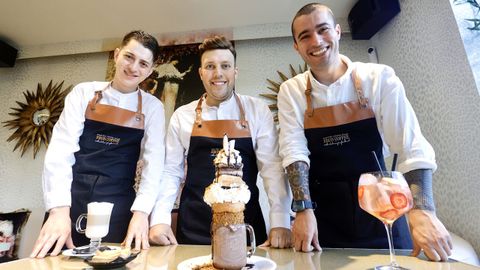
424	46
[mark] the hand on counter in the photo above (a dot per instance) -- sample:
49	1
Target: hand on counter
162	234
279	238
138	230
429	234
305	232
56	229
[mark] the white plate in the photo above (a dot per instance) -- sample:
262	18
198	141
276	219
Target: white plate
69	252
260	263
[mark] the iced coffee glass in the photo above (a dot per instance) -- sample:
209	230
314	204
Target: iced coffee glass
98	221
229	246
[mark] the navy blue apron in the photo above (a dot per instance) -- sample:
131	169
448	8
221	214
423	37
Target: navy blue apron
194	215
105	165
341	139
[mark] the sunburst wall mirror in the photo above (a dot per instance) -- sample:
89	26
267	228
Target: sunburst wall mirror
34	119
275	87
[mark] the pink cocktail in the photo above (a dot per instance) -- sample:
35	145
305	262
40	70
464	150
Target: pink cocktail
386	196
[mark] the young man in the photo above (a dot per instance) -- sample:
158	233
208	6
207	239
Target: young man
331	119
103	130
196	131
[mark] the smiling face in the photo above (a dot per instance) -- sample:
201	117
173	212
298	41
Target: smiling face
133	63
316	38
218	74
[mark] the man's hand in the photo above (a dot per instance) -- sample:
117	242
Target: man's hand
305	232
429	234
161	234
56	229
138	230
279	237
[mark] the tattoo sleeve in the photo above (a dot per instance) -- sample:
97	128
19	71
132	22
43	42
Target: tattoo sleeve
420	182
297	173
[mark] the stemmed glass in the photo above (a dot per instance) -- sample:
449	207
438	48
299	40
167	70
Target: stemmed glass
385	195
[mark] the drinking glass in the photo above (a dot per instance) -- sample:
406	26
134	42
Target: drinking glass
98	221
385	195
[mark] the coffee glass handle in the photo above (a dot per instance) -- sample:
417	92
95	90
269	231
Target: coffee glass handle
251	234
78	225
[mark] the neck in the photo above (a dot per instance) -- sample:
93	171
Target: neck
329	74
122	88
215	102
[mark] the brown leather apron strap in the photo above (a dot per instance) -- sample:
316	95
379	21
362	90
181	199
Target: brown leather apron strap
308	94
358	89
96	98
138	114
198	111
242	111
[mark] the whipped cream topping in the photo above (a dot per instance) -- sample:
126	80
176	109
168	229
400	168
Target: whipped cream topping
235	193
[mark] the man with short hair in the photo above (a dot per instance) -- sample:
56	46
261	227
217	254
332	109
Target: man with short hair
331	119
196	130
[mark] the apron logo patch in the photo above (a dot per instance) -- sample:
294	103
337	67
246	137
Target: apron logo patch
338	139
105	139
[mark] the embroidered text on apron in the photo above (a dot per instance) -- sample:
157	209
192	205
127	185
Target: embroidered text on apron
341	139
194	215
105	165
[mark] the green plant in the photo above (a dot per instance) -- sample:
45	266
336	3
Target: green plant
476	7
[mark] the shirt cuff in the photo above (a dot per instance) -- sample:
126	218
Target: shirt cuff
280	220
53	200
287	161
143	203
158	217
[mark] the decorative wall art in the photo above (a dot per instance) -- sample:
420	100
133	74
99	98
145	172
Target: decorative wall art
34	120
275	87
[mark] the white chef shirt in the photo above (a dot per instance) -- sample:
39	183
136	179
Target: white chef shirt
265	143
396	120
57	172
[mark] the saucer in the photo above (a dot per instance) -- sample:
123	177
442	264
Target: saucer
69	253
259	263
118	262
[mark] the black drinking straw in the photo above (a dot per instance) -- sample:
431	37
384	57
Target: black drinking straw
378	163
394	162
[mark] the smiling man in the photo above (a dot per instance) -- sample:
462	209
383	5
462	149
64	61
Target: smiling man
331	119
196	132
104	129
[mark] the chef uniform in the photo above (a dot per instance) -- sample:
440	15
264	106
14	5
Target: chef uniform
340	138
196	129
105	163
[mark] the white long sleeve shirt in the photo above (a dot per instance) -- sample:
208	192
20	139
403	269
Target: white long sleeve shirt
265	143
57	172
396	120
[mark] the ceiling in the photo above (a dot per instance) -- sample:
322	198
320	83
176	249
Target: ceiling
33	23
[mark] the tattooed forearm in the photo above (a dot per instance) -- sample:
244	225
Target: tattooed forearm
298	177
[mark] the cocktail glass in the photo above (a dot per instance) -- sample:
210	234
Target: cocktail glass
386	196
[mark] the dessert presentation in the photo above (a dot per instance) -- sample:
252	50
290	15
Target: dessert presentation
227	195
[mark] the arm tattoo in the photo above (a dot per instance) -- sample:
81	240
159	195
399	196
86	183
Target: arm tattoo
297	173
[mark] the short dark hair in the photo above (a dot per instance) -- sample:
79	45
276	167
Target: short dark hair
147	40
217	43
307	9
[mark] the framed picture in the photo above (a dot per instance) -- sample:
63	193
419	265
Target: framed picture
175	81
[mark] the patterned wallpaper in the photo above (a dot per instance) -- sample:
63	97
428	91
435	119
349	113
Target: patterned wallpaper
424	46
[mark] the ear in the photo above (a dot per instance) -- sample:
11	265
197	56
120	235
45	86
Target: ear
200	73
295	46
338	29
236	72
116	53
